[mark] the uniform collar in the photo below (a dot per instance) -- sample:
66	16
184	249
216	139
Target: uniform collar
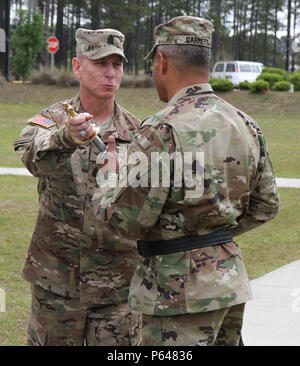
118	126
191	90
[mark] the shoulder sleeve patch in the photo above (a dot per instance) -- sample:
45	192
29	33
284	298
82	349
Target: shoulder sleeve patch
42	121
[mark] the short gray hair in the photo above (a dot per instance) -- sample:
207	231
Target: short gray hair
186	55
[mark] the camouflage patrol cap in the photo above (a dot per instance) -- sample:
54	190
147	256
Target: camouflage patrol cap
183	30
99	43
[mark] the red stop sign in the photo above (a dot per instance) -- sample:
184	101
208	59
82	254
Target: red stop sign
53	44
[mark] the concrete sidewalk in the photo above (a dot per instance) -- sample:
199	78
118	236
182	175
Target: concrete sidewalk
14	171
272	318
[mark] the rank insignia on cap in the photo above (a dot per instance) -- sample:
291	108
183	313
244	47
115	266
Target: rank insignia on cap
42	121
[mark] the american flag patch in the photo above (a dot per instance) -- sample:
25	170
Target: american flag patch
42	121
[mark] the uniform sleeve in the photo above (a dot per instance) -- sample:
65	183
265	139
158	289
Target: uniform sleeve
133	208
264	197
43	150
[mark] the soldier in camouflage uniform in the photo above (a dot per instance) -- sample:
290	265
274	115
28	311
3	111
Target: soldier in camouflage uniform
80	271
191	284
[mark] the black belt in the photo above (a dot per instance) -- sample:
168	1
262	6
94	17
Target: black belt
149	248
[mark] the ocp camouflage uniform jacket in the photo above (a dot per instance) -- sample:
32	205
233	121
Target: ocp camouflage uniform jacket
70	253
239	194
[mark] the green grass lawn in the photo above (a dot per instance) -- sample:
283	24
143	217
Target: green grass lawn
18	210
282	132
268	247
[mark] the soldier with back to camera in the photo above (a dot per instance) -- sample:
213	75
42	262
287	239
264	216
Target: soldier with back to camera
191	284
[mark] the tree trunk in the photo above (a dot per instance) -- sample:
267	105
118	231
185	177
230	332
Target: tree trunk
238	27
95	21
199	8
47	14
75	25
287	59
251	31
52	14
68	35
266	32
215	15
294	31
255	32
41	6
33	7
29	8
147	45
275	33
234	29
59	56
137	39
243	39
78	15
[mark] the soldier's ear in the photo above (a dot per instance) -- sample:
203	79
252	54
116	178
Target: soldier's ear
76	67
162	61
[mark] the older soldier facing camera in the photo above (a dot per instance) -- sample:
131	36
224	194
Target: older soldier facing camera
191	284
80	271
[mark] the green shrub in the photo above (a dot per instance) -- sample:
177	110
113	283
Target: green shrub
244	85
44	75
295	79
282	86
276	70
259	86
66	78
61	77
221	85
140	81
143	81
2	79
270	78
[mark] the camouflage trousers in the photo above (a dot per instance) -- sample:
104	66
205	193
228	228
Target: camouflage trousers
55	320
213	328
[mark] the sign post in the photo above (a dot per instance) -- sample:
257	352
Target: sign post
53	47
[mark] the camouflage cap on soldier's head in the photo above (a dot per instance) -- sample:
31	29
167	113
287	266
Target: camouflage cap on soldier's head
183	30
99	43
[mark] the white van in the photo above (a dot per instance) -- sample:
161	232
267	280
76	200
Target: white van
237	71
